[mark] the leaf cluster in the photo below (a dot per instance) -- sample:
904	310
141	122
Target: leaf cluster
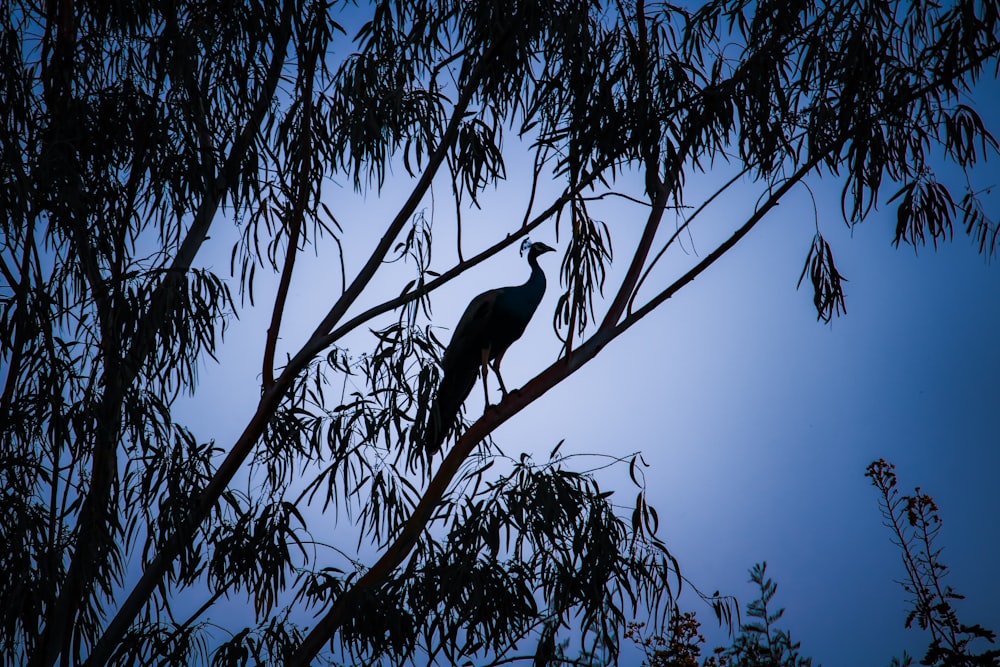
828	290
123	132
760	643
541	547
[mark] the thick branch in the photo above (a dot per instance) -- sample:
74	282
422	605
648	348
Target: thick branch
165	292
456	270
664	187
154	572
517	400
223	183
495	416
94	533
437	158
512	404
271	343
627	288
680	229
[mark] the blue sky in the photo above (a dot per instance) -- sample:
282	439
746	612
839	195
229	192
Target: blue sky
763	446
758	423
756	420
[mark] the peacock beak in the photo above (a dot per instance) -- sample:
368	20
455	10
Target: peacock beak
540	248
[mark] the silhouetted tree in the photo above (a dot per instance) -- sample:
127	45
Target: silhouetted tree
131	131
915	524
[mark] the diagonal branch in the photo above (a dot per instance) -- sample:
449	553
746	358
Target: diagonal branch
517	400
271	343
273	395
627	288
494	417
677	232
223	183
406	211
160	300
397	552
725	246
460	268
296	212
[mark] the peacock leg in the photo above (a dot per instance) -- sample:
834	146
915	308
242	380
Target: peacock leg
485	365
496	369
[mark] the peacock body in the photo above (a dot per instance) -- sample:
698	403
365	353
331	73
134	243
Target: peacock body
490	324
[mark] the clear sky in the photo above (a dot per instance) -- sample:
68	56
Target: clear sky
757	421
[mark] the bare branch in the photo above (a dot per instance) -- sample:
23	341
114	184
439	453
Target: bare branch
677	232
295	213
726	246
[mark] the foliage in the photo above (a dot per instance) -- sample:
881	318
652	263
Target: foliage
758	644
915	526
679	646
133	132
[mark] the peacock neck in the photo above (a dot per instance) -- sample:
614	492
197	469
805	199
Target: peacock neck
537	277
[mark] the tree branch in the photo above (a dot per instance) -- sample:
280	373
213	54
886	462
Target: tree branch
434	163
495	416
627	288
296	214
223	183
20	335
456	270
160	299
517	400
724	247
513	403
677	233
612	326
272	396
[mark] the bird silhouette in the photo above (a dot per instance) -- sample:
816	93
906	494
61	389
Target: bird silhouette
491	322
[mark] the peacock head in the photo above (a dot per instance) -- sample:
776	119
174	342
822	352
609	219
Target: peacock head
534	249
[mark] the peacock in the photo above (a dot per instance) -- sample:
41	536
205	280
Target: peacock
491	322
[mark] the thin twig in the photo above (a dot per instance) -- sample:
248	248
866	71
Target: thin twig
677	233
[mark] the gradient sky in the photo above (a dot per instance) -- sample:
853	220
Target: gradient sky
757	421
